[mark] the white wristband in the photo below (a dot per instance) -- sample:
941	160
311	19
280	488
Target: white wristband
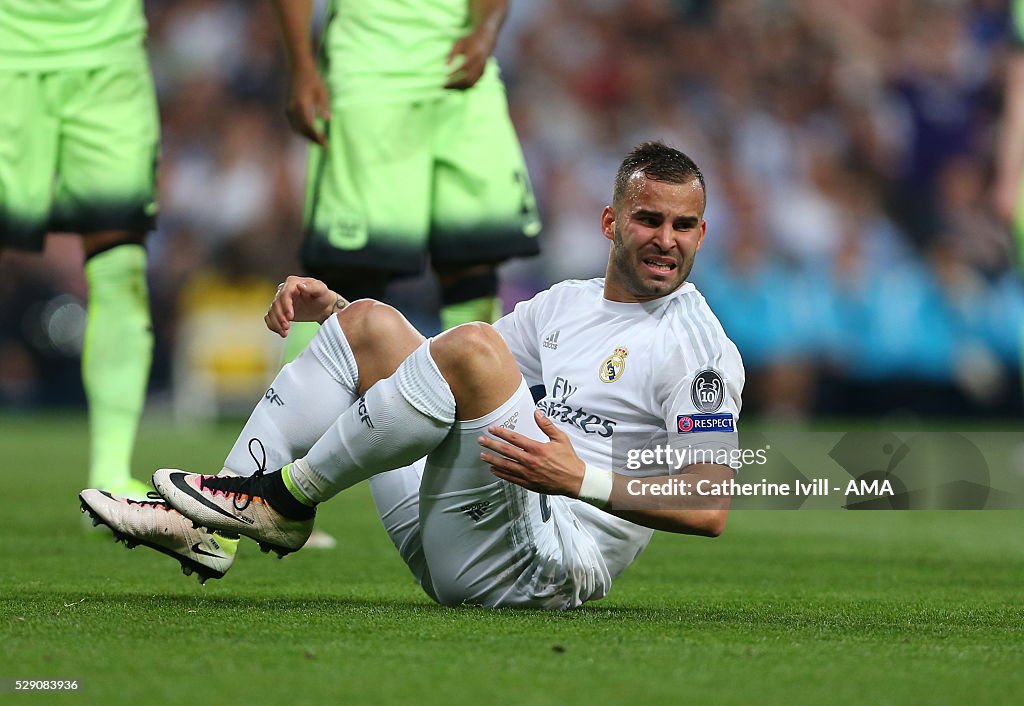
597	486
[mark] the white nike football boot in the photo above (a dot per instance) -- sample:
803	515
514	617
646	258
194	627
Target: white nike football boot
154	524
235	504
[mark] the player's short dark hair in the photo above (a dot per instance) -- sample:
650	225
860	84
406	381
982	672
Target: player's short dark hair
659	162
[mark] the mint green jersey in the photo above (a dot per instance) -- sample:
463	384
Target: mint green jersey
392	49
48	35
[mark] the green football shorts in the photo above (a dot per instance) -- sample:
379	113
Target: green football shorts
398	181
78	152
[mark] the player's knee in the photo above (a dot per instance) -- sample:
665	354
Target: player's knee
380	339
462	284
367	320
469	348
358	312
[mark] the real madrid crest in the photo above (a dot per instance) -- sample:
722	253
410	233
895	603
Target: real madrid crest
613	366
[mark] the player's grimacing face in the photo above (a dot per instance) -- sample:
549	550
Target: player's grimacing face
655	233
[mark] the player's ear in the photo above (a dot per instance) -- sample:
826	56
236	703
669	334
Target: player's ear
703	232
608	222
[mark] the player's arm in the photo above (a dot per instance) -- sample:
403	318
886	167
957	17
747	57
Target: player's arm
472	51
1010	147
555	469
308	97
698	502
302	299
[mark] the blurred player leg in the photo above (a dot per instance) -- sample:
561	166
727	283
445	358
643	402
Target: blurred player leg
299	336
107	166
29	136
365	214
116	355
396	495
97	130
468	293
483	210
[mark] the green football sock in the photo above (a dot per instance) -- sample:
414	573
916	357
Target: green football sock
486	309
116	356
299	336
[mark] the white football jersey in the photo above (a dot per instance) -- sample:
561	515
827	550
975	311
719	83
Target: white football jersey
623	376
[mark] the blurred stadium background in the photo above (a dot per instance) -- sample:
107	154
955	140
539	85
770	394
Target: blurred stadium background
848	145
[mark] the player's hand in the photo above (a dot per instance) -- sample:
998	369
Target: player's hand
471	54
308	102
301	299
552	467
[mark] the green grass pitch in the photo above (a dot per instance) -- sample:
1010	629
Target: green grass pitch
786	607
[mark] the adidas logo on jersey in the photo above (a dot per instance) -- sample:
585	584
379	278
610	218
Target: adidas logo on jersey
476	511
511	422
552	341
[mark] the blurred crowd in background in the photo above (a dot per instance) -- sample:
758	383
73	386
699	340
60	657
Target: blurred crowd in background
852	252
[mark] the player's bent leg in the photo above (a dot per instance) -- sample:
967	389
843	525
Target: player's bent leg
363	342
396	495
306	396
463	373
381	339
116	355
304	399
488	542
275	436
366	341
398	420
476	362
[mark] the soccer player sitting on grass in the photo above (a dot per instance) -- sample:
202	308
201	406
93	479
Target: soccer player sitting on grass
515	504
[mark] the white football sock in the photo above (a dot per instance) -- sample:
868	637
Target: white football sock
306	397
399	420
